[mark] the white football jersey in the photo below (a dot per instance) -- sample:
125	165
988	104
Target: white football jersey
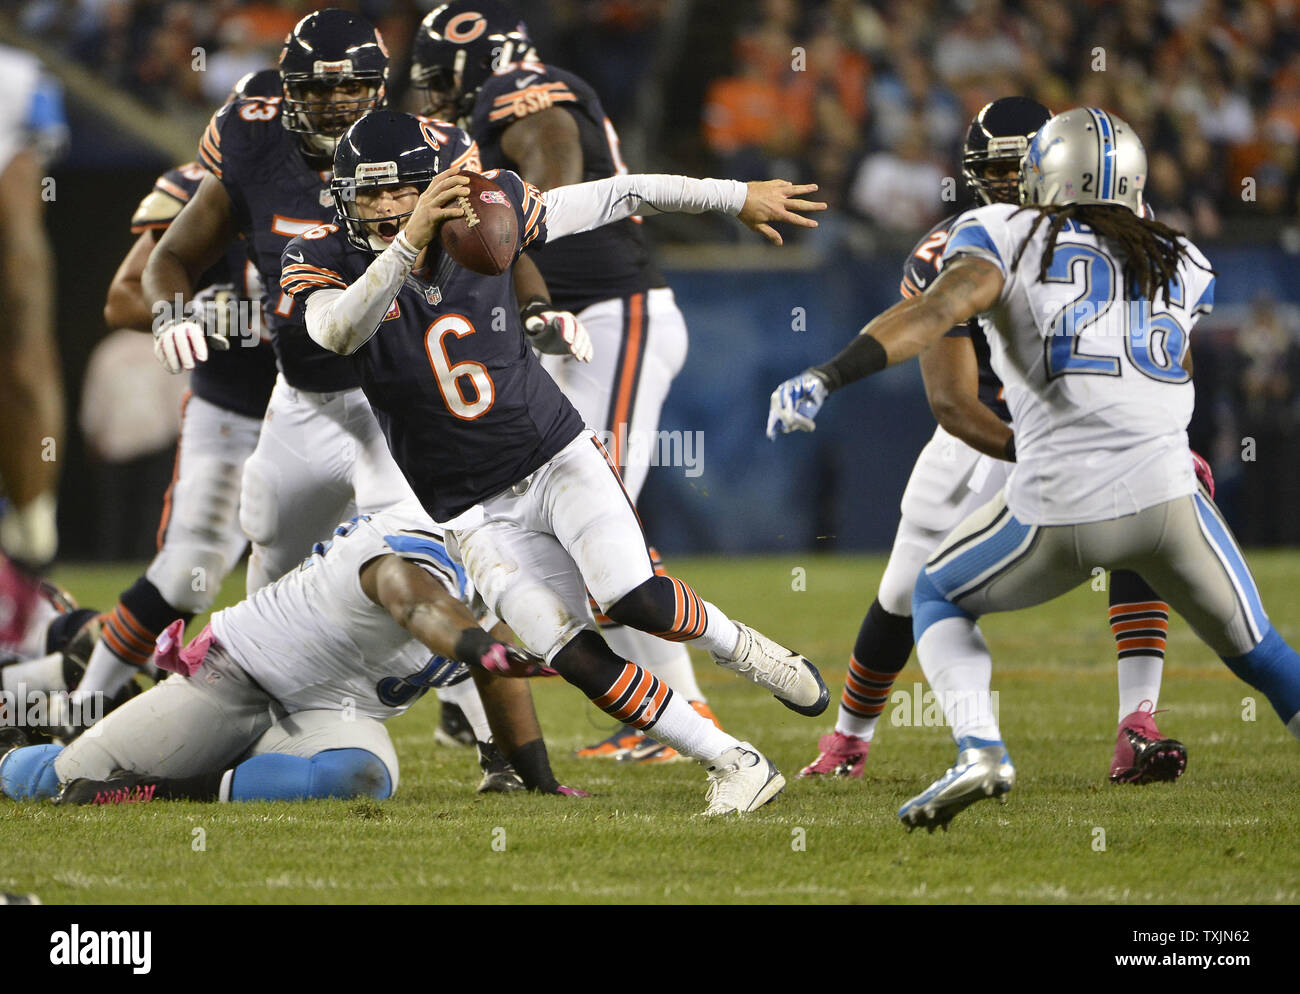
313	639
1098	396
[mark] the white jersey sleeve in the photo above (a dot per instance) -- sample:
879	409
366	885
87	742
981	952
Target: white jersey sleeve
314	640
1094	377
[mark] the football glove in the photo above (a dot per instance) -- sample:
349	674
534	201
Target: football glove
556	332
795	404
509	660
1204	476
183	343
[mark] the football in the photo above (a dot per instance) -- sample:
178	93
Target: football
485	239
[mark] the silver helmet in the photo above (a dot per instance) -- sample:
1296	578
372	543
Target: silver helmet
1084	156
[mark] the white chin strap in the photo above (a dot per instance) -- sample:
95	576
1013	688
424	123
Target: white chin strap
322	144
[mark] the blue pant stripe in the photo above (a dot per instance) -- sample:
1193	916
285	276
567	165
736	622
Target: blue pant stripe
1216	532
983	557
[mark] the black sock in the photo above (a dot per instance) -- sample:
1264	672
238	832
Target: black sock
534	766
884	640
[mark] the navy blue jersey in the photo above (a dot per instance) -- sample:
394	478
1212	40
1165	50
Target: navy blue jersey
465	405
276	196
612	261
239	379
919	271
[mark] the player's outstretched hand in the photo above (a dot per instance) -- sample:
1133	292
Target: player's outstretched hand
183	345
512	661
558	333
795	404
777	200
436	204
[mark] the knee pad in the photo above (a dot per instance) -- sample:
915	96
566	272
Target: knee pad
651	606
929	605
27	774
338	773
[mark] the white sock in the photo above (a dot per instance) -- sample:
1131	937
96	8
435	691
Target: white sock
30	532
721	636
465	696
669	661
956	662
848	723
44	674
1139	682
223	792
106	672
683	728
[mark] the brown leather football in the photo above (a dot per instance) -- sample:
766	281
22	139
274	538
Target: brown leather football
485	239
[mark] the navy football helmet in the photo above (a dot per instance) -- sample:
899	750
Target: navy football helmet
999	136
263	83
384	148
334	67
458	46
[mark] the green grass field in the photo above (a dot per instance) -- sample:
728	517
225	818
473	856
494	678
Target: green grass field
1225	833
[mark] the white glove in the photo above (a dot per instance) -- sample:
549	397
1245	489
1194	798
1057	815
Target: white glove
183	344
795	403
558	333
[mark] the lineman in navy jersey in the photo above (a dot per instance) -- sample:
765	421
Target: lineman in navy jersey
474	61
533	545
269	162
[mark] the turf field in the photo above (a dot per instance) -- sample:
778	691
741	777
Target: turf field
1224	834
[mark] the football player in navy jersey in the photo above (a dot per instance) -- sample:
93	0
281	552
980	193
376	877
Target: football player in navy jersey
320	455
495	451
220	421
473	62
961	468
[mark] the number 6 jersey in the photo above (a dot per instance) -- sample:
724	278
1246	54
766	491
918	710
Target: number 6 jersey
1094	380
465	405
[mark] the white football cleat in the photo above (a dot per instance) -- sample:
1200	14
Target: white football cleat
983	770
791	678
741	779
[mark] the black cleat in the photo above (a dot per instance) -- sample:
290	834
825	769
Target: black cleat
453	727
499	777
121	787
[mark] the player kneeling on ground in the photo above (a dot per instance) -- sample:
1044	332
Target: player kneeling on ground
284	695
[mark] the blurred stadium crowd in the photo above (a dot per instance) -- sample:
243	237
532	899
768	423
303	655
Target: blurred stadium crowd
872	100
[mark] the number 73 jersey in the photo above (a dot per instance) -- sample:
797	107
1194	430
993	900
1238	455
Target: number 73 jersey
1094	377
465	405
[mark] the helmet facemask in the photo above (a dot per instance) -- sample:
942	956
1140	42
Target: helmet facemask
1002	152
357	201
320	107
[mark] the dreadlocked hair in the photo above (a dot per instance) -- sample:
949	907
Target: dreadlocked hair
1151	250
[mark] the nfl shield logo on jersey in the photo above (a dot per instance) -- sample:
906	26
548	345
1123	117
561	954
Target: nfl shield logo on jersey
433	295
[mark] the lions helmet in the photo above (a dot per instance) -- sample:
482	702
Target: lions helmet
1085	156
999	135
384	148
327	51
459	45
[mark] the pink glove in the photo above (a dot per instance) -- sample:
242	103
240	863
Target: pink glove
508	660
1203	473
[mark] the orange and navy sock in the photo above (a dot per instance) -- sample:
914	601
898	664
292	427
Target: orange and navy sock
1139	620
127	636
667	607
627	692
881	651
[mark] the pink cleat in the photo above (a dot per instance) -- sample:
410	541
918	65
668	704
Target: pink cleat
571	791
841	756
1142	754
